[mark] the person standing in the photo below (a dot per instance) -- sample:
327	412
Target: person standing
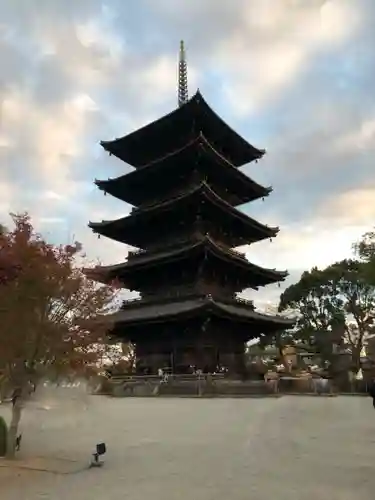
371	391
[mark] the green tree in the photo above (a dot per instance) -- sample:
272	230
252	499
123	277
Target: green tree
279	340
335	305
364	250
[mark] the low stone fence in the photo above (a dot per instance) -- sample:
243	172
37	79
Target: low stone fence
353	387
218	385
207	385
188	385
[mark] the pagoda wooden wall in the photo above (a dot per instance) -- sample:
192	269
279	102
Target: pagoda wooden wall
200	343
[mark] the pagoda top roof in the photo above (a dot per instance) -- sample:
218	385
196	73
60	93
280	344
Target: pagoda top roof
142	312
171	131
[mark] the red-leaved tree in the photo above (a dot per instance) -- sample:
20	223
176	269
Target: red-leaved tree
48	311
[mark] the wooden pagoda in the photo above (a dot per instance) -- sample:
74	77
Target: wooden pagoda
184	188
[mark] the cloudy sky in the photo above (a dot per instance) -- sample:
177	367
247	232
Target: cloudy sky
296	77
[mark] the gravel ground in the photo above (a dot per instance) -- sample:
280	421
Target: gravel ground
294	448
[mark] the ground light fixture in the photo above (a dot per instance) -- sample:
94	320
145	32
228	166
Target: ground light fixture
101	449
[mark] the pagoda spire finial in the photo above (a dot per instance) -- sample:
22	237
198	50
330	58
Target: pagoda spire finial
182	76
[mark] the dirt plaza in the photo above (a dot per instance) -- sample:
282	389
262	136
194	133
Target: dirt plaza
293	447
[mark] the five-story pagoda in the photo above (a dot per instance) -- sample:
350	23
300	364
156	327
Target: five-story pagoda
184	189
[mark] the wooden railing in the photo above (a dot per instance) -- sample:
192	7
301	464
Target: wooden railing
241	300
161	246
169	377
183	189
175	243
192	295
173	195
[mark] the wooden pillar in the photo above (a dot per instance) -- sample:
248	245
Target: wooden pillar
173	356
240	368
232	356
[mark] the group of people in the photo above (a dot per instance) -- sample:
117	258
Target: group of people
163	375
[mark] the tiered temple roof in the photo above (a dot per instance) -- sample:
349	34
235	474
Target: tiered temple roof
193	255
152	222
197	160
242	312
174	130
184	189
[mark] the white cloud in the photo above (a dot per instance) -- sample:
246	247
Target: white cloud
305	247
362	139
354	208
49	220
102	249
6	196
297	249
53	136
324	238
289	34
78	78
52	195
